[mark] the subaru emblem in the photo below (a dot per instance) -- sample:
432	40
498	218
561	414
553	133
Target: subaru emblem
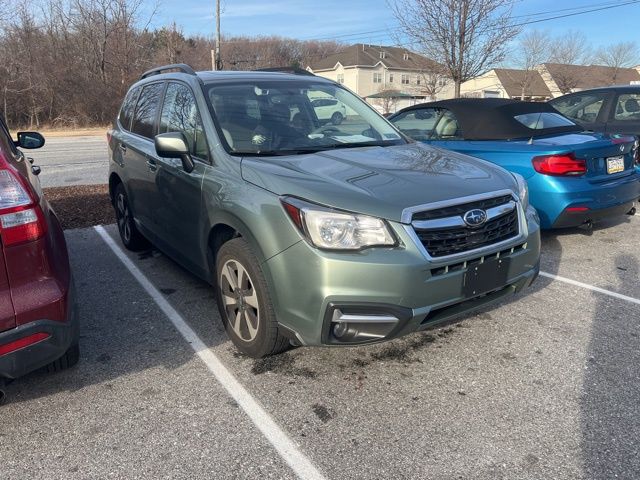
475	217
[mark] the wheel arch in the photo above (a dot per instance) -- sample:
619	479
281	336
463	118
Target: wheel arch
226	227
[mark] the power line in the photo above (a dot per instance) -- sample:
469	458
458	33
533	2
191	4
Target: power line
589	9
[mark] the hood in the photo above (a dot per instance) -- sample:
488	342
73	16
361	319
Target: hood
377	181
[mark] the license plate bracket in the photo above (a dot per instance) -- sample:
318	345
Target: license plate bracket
615	164
485	277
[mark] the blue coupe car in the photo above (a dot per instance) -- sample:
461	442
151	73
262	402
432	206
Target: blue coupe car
575	177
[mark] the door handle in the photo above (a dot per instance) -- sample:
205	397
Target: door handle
153	166
123	148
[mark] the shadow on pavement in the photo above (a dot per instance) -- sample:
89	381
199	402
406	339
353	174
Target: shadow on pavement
122	331
610	402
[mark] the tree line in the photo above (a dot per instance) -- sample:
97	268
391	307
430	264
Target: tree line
69	63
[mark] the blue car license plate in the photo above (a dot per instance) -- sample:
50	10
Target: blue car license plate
615	164
485	277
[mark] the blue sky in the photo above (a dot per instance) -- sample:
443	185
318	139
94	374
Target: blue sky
371	21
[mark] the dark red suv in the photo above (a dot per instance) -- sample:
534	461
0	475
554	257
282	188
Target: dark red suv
38	321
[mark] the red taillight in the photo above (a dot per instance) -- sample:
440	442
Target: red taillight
21	219
560	165
576	209
22	343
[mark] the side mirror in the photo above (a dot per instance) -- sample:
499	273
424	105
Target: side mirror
173	145
29	140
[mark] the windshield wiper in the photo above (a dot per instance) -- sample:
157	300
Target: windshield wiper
316	149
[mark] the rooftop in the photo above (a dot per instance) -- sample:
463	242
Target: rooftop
364	55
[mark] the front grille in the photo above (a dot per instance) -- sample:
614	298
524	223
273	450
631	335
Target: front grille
459	210
442	242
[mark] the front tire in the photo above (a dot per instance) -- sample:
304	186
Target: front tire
244	301
337	118
131	237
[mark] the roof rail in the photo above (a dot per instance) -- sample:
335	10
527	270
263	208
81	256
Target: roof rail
292	70
180	67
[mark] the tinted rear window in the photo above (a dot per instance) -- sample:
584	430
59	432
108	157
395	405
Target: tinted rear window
543	120
126	112
147	110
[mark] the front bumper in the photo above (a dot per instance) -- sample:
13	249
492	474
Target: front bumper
308	286
62	335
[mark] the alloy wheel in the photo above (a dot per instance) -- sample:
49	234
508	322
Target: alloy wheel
240	300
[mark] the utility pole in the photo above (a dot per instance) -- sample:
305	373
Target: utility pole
216	60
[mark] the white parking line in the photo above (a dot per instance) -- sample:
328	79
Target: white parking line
288	450
590	287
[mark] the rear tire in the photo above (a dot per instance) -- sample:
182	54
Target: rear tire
68	360
337	118
131	237
244	301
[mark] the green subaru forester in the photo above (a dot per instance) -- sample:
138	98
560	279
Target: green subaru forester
312	232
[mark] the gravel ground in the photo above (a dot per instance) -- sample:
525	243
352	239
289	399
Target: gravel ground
81	206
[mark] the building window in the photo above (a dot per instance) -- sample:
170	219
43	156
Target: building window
405	79
383	54
377	78
341	78
418	80
391	78
405	56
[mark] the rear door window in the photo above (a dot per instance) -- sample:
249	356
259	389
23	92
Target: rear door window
583	108
180	114
126	112
628	107
144	119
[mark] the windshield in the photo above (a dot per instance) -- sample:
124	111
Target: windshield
286	117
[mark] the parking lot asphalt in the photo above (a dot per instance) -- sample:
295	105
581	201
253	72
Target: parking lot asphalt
545	385
72	161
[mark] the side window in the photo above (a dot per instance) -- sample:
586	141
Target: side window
582	108
417	124
628	107
180	114
447	127
147	109
126	112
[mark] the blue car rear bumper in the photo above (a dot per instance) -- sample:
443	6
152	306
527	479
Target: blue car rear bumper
587	200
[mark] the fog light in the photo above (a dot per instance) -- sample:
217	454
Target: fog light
340	329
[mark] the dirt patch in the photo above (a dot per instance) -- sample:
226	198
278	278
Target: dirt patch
283	364
81	206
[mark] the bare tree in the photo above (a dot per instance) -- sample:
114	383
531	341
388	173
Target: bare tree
571	48
386	99
465	36
617	56
533	49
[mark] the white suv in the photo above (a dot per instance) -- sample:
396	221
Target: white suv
328	109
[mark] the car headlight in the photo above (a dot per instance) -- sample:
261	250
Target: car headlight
523	190
337	230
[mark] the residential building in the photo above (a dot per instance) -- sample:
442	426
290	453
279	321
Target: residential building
507	83
563	78
389	78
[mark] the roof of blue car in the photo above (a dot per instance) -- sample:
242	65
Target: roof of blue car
494	118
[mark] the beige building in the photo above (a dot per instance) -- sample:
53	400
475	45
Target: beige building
549	80
507	83
390	78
